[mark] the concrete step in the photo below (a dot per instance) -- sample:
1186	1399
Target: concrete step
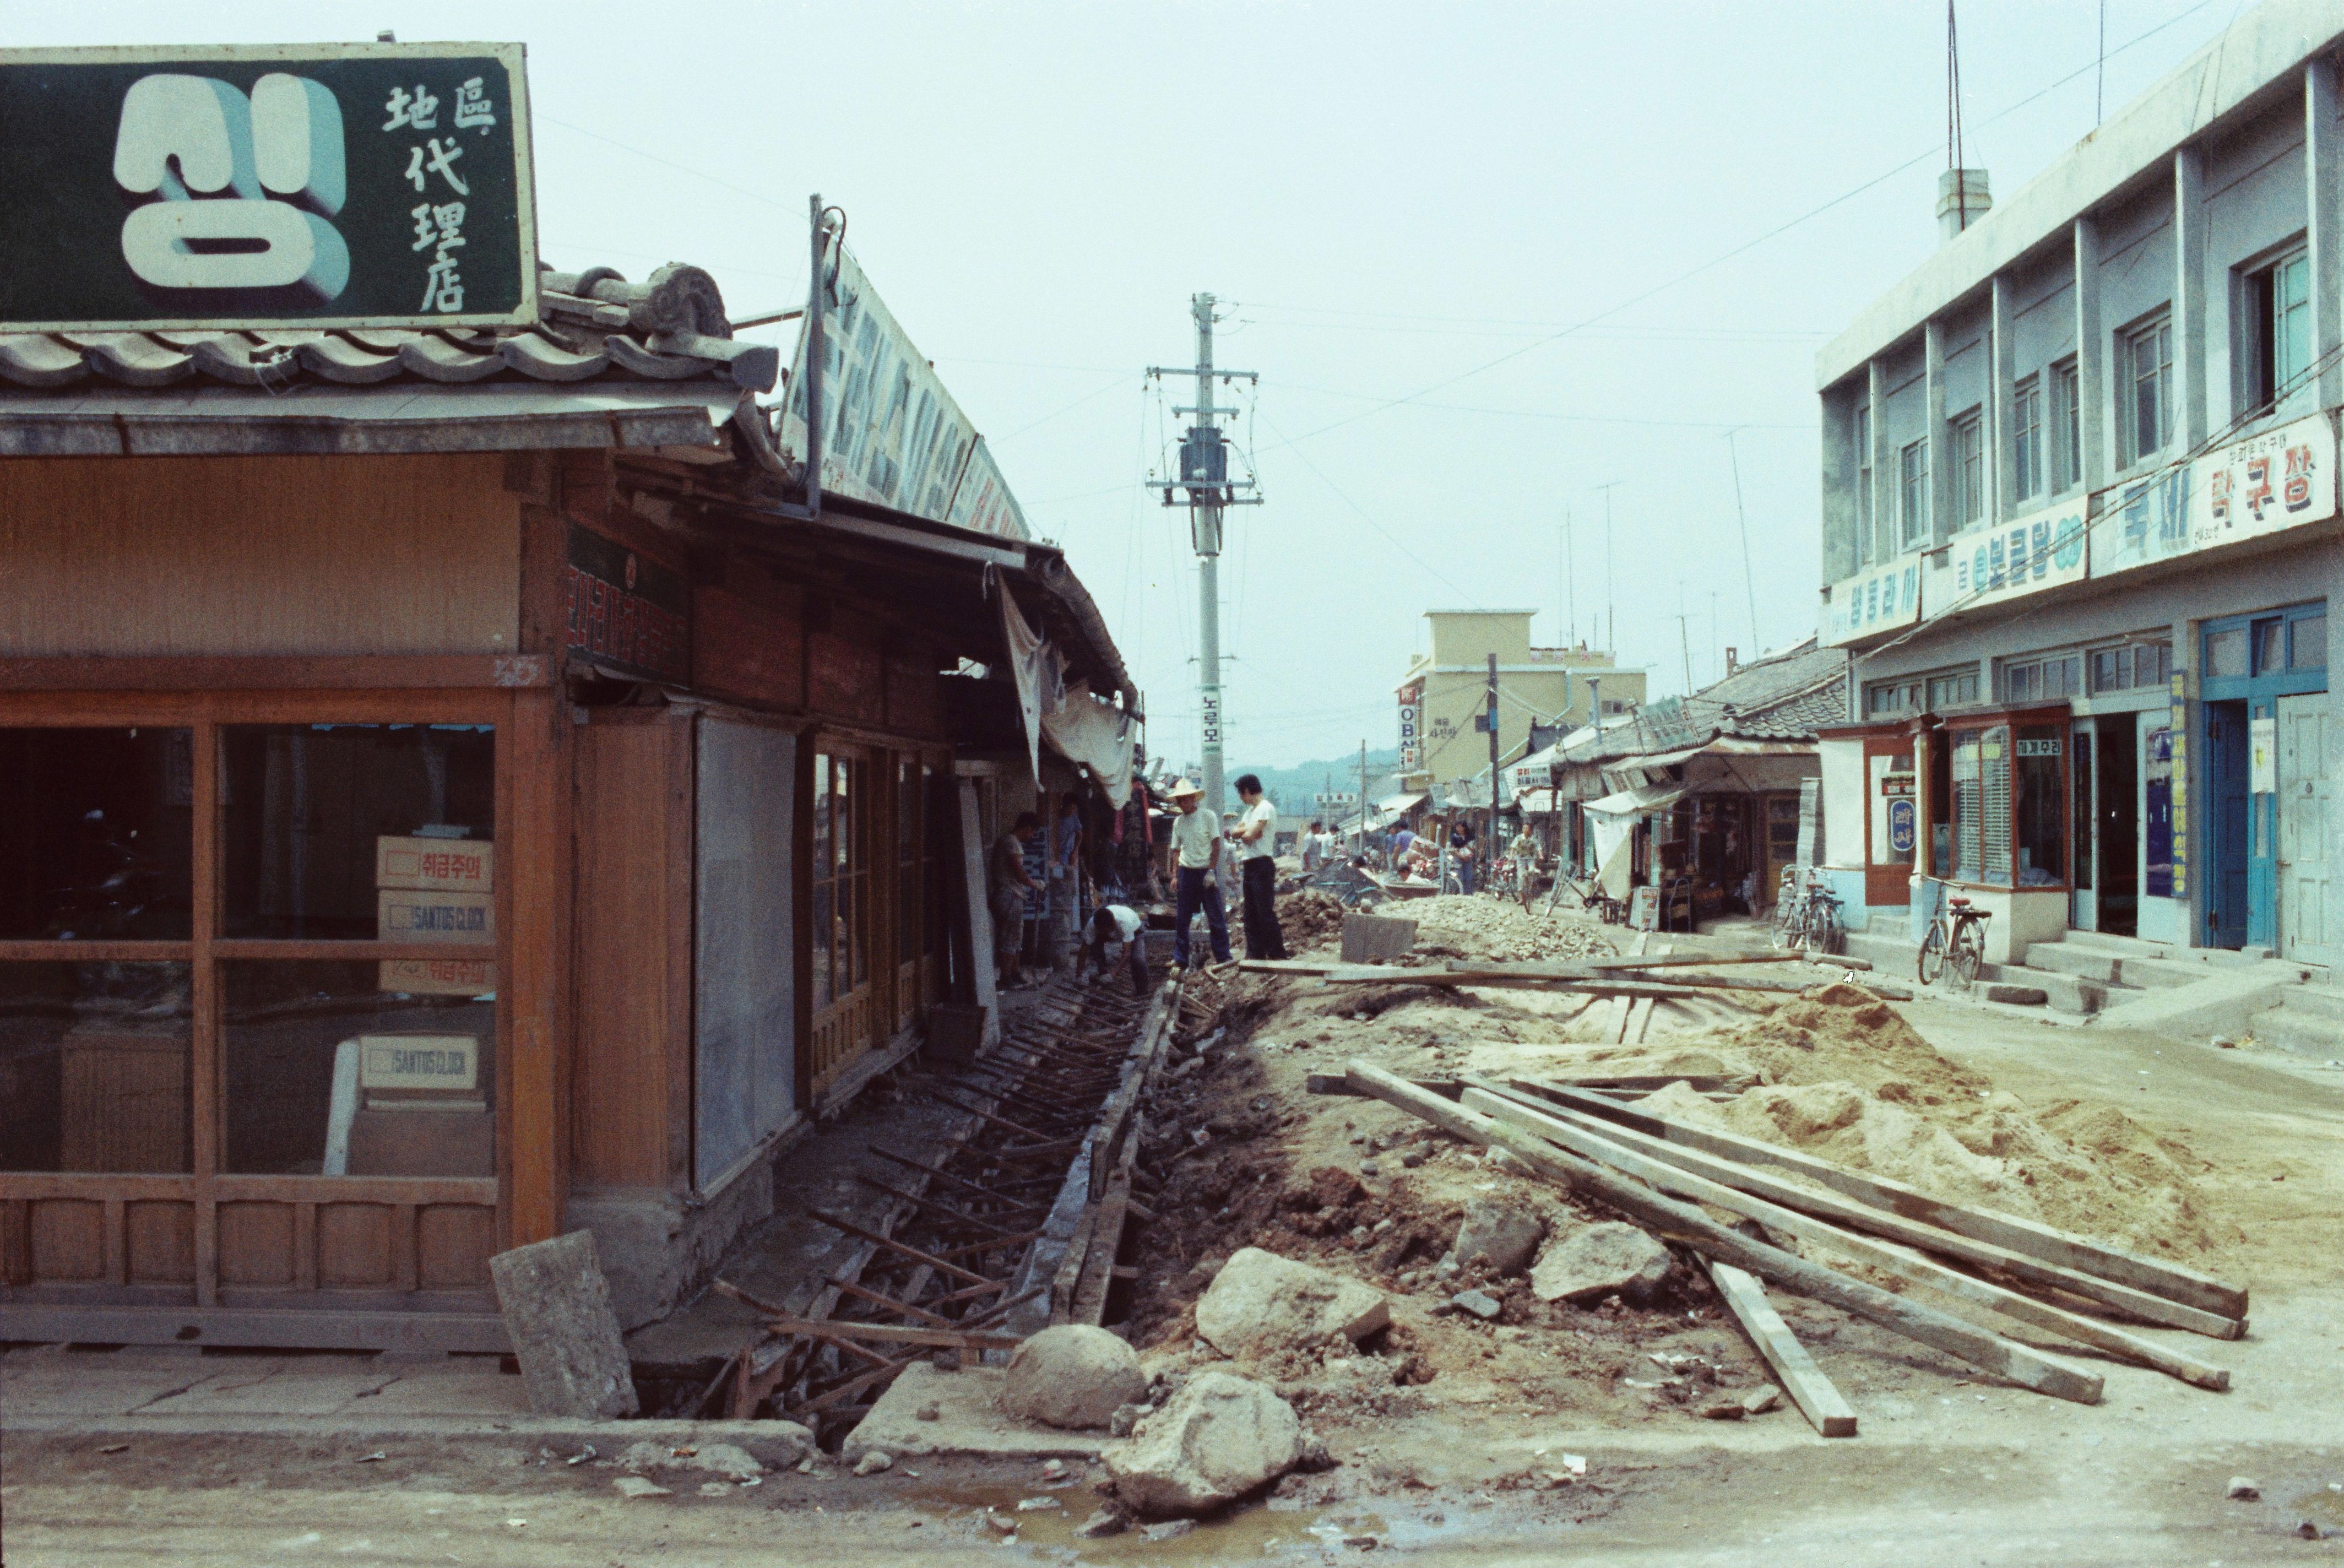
2320	1004
2121	947
2090	963
2303	1034
2064	993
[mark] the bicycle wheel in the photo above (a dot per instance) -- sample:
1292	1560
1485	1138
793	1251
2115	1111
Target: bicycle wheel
1969	952
1932	961
1824	932
1786	920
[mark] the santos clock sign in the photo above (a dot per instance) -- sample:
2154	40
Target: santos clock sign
360	184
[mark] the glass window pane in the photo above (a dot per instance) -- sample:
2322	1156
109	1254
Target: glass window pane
95	831
1994	804
94	1068
2081	770
2111	670
2270	646
2042	806
358	831
844	900
863	935
2307	642
822	940
1968	850
340	1070
2225	654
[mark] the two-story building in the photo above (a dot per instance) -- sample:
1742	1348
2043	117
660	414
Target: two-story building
2079	495
1445	693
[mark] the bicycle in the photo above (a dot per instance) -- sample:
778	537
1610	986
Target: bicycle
1807	914
1957	941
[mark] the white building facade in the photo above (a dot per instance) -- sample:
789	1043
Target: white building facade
2079	508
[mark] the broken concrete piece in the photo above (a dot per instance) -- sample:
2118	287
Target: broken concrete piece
636	1486
1260	1303
874	1460
1101	1526
1373	938
1611	1257
1072	1376
1482	1304
1219	1438
557	1312
2244	1490
1723	1409
970	1419
1765	1399
1506	1229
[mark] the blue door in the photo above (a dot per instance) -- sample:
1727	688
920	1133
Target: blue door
2228	912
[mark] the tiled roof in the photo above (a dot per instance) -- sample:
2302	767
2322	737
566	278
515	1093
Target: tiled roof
1785	698
591	325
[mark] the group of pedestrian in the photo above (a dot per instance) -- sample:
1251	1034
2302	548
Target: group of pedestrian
1204	854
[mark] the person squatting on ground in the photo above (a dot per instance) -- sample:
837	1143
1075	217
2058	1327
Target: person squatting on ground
1257	851
1197	853
1118	925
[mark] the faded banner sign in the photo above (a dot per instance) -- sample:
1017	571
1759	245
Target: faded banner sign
626	610
2039	551
324	185
891	434
1880	599
2282	479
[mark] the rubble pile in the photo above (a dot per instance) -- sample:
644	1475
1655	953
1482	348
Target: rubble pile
1310	918
1502	1288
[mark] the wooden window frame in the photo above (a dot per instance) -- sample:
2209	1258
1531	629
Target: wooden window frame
2060	717
206	1186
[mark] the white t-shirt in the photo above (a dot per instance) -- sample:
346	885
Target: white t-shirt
1128	923
1261	814
1193	834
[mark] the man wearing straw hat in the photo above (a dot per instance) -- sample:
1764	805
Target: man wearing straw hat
1196	853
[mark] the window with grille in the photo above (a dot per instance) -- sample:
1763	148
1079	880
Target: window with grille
2067	427
2026	439
2049	678
1969	469
1913	495
2276	325
2147	421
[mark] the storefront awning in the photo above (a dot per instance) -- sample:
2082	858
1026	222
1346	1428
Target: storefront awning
1646	797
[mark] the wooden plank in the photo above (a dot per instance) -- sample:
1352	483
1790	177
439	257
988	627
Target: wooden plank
895	1333
2008	1233
535	891
1621	1154
1685	1223
941	1266
1793	1368
1615	1012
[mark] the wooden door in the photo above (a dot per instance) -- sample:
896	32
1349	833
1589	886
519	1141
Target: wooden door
2304	815
259	1073
848	975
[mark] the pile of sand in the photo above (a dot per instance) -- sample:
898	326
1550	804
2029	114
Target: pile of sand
1853	1083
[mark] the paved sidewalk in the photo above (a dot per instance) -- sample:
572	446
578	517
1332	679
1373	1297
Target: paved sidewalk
49	1387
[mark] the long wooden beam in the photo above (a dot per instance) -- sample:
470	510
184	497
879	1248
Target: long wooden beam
2166	1281
1683	1221
1813	1393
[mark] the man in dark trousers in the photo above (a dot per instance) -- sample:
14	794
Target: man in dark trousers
1197	849
1257	837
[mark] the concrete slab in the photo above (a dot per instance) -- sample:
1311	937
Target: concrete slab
451	1393
1377	938
2225	1003
78	1391
969	1420
291	1391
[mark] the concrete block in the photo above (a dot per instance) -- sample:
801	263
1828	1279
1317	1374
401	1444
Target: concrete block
557	1310
965	1416
1377	938
2014	995
2225	1003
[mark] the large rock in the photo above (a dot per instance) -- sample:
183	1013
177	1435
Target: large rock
1505	1230
1608	1260
1072	1376
565	1334
1260	1304
1219	1438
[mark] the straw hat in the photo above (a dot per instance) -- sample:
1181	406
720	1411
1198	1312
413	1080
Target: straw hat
1184	790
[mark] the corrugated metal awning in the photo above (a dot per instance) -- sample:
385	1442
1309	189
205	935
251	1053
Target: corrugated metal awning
1646	797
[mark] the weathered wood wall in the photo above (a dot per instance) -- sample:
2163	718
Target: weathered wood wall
258	555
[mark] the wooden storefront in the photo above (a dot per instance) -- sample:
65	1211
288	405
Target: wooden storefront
408	851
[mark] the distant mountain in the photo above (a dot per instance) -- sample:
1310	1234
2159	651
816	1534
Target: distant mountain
1295	789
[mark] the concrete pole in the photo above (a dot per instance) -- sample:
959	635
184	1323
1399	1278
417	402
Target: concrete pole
1207	515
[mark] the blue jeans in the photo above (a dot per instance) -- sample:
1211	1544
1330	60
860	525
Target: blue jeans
1196	887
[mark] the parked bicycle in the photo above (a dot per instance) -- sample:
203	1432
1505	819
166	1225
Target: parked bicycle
1807	914
1957	941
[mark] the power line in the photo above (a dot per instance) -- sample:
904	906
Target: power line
1740	249
1365	516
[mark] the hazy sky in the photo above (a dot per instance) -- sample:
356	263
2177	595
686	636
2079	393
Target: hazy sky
1610	207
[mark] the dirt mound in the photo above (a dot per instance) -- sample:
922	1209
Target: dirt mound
1310	918
1843	1034
1496	930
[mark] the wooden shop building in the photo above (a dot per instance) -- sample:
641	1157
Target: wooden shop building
452	793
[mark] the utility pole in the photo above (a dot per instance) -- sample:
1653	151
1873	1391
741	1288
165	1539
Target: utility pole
1205	475
1570	587
1490	839
1685	646
1363	797
816	364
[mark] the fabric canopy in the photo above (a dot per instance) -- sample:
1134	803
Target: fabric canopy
1630	803
1085	729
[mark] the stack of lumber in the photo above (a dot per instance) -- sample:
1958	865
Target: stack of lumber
1668	1175
1623	974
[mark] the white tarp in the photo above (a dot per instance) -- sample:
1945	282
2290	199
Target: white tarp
1096	734
891	434
1030	667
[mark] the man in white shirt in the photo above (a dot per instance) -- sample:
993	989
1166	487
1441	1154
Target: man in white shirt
1120	925
1256	838
1312	848
1196	853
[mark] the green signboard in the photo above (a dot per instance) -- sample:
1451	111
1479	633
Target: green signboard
358	185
